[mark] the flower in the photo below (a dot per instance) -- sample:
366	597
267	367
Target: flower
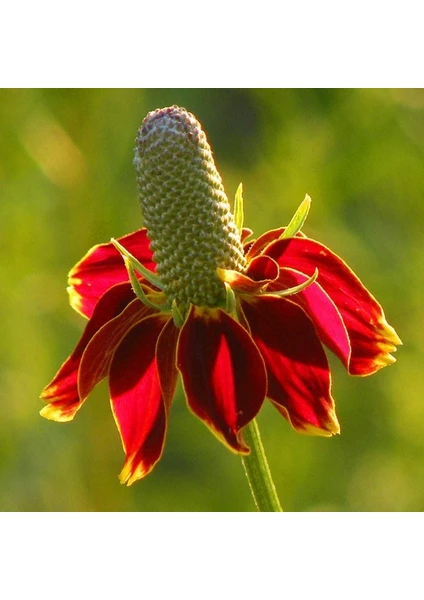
240	320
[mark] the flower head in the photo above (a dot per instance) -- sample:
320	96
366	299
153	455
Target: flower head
240	320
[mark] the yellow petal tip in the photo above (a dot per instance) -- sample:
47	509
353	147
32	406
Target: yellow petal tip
129	474
56	413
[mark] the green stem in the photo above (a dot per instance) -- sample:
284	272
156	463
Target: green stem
258	473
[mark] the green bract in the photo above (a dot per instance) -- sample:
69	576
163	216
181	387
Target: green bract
238	208
298	219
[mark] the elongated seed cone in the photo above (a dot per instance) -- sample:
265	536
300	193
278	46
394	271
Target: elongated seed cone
185	208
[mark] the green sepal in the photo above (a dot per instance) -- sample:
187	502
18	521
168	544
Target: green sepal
298	219
297	288
137	266
177	315
230	299
138	288
238	208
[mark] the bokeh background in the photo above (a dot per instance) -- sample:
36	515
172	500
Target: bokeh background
67	183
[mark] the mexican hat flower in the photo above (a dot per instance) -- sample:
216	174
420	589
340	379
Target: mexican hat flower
193	295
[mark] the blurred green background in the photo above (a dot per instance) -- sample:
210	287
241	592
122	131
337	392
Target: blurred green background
67	183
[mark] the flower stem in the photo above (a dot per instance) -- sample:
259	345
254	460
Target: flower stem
258	473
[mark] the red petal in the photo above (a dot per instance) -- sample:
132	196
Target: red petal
137	403
321	310
263	241
239	282
103	267
298	374
166	356
261	271
97	356
62	392
223	373
258	246
245	233
371	337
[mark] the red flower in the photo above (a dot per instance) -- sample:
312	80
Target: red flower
238	322
294	297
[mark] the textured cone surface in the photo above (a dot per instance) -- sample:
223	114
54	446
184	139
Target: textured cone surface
185	209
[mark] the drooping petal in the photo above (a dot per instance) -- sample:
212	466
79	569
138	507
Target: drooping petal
372	338
260	272
137	400
298	374
97	356
223	373
62	392
166	357
320	309
103	267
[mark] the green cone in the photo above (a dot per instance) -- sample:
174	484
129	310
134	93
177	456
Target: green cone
185	208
